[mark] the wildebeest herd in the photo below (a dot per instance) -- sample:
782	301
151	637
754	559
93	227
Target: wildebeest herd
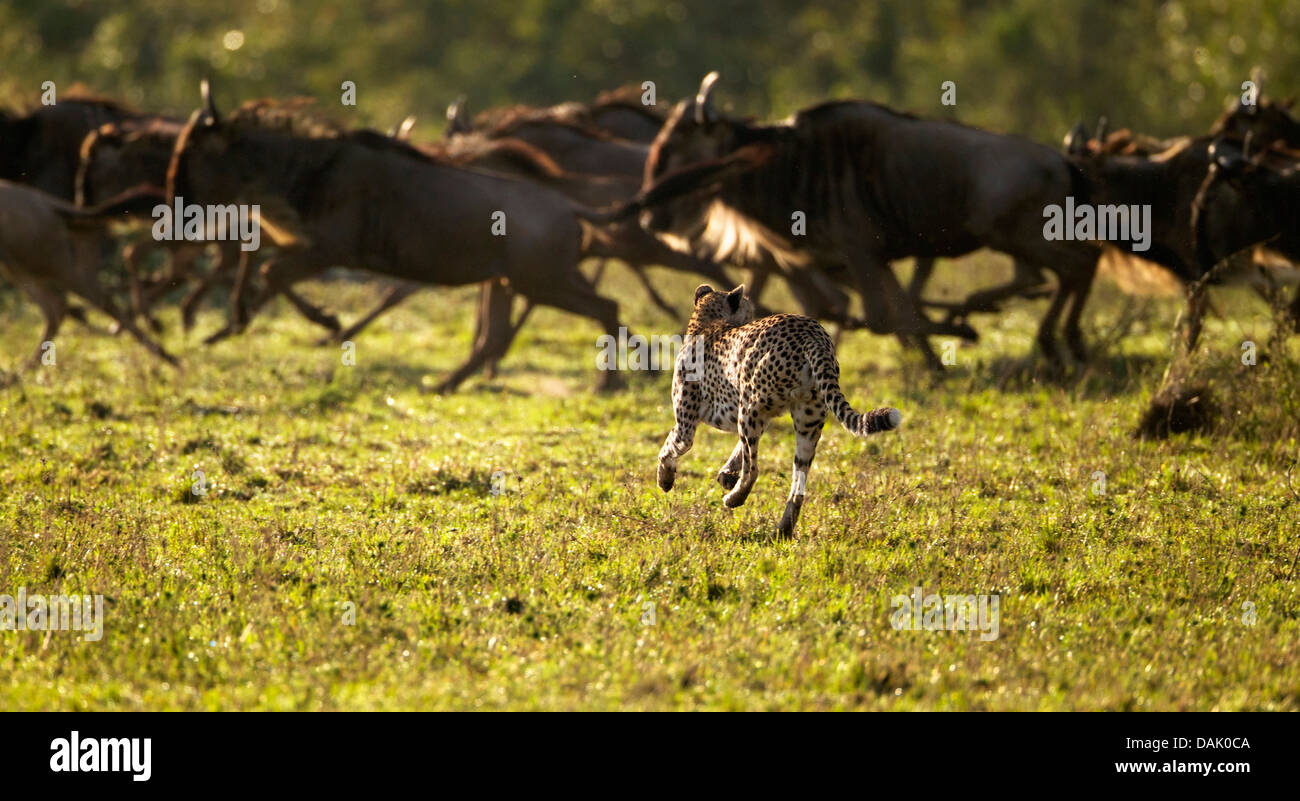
516	198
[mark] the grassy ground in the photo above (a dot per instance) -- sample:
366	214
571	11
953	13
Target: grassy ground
331	486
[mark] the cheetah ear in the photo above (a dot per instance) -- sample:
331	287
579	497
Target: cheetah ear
701	291
734	296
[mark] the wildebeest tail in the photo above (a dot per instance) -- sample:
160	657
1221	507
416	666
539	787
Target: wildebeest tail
826	372
140	200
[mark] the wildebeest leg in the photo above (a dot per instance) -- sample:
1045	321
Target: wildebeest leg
490	369
230	259
493	340
53	306
819	296
655	297
313	312
758	278
1026	278
95	295
921	272
1047	328
393	297
578	296
130	258
182	269
888	308
1082	285
280	273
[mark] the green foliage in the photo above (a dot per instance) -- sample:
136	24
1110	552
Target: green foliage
1024	66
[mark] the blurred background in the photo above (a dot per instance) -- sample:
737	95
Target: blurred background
1026	66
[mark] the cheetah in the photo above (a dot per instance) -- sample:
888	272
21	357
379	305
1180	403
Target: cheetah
736	373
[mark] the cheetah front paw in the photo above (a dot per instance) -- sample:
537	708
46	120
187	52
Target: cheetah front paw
728	479
666	476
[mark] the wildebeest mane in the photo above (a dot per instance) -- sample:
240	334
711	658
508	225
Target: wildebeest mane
469	149
628	96
506	121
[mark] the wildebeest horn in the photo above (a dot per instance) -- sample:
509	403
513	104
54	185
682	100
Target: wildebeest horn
1103	127
209	108
454	110
1076	141
703	99
456	118
403	131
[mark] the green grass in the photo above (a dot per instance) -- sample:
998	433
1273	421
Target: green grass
332	485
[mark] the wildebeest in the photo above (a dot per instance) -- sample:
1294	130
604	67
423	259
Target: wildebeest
42	149
1246	201
118	156
1268	122
48	248
365	200
574	136
872	185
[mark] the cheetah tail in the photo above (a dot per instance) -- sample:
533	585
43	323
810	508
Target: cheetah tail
827	374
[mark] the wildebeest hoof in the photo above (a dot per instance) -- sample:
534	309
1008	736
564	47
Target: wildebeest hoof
665	477
727	479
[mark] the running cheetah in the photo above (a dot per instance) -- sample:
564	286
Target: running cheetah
737	373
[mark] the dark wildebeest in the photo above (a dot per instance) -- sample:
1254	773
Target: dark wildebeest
42	149
1249	200
118	156
48	248
618	113
872	185
622	113
1268	122
367	201
516	158
572	136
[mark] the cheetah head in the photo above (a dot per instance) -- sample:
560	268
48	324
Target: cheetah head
731	308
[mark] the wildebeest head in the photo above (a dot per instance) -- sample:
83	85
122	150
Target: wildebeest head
198	158
695	134
120	155
1270	121
245	156
1247	198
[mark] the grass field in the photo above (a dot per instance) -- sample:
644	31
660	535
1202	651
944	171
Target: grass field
339	491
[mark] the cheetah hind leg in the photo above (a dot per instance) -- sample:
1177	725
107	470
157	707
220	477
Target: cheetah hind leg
751	430
807	433
730	472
